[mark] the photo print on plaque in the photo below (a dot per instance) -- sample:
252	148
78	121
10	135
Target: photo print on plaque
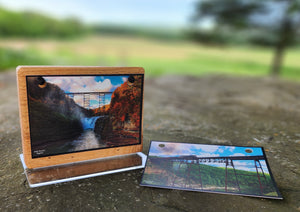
210	168
83	110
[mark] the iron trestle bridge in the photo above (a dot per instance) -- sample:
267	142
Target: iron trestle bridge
191	160
86	97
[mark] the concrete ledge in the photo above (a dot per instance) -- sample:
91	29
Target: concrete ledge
213	110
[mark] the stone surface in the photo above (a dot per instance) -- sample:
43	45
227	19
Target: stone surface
213	109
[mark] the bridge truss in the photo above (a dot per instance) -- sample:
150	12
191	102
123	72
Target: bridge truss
189	161
86	97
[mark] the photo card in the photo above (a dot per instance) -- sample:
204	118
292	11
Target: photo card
71	114
235	170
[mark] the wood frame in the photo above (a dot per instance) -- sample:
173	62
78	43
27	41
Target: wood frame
23	71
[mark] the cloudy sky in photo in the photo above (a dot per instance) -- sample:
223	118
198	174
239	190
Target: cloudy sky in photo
81	84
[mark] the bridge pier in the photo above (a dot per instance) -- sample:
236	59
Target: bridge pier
86	98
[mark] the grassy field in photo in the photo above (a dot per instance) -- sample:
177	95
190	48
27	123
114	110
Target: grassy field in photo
158	57
172	175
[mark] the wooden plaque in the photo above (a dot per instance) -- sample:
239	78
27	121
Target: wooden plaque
71	114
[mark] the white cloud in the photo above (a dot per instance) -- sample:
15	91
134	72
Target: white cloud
210	148
264	166
238	154
244	165
184	149
221	150
94	97
104	86
62	82
229	148
208	155
124	79
80	84
78	100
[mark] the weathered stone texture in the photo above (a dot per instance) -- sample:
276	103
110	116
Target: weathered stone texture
213	109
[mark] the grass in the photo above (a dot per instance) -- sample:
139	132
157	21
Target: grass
157	57
11	58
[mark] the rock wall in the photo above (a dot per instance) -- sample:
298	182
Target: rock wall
103	127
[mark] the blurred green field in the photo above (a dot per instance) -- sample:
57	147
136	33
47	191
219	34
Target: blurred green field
157	57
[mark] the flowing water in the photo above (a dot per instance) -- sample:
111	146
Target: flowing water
88	139
89	123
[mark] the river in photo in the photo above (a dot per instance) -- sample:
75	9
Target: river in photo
86	141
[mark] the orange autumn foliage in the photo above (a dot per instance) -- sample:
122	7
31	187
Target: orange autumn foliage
125	106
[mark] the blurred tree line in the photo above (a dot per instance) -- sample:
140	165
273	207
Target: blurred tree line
31	24
137	31
35	25
272	23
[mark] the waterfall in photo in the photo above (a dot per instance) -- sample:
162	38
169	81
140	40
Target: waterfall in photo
88	139
88	123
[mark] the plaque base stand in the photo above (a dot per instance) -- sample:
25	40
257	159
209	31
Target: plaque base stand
84	169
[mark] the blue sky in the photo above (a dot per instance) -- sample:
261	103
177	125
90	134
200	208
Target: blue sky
173	13
73	84
202	150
